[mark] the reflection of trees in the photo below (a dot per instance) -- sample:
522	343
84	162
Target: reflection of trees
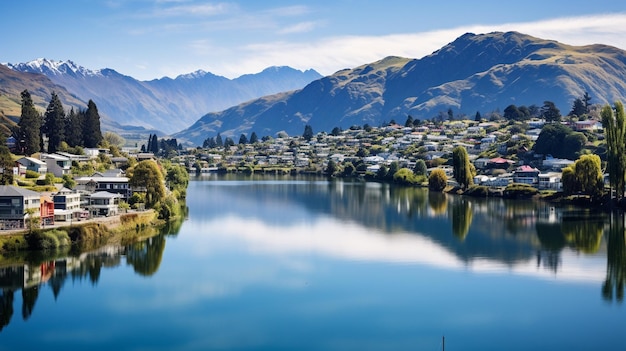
613	286
145	257
461	212
29	297
552	242
438	202
585	236
6	307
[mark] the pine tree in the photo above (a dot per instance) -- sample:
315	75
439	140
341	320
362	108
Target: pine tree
243	139
54	123
218	140
28	132
308	132
254	138
92	135
74	128
6	164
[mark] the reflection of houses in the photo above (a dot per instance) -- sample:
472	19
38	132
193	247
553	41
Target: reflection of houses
57	164
14	204
103	203
33	164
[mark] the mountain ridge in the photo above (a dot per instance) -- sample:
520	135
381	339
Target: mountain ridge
474	73
164	104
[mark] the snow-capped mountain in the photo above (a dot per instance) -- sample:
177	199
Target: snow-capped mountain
53	67
165	104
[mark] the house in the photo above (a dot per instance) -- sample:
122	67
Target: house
551	181
555	164
58	165
527	175
15	203
66	199
33	164
114	184
46	210
104	203
587	125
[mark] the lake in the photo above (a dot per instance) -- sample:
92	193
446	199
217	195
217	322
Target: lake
288	263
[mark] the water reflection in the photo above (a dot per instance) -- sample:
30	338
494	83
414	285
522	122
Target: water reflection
53	271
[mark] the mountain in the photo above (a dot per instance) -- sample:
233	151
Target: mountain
12	84
164	104
484	73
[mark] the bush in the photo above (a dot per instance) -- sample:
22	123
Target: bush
518	190
437	180
31	174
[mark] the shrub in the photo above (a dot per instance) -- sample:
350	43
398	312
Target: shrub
477	191
31	174
518	190
437	180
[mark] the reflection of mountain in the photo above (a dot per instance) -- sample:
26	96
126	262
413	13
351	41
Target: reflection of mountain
145	257
497	229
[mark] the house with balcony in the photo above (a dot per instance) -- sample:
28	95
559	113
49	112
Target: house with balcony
15	203
104	204
113	184
526	175
66	205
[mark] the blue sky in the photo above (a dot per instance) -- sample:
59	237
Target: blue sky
149	39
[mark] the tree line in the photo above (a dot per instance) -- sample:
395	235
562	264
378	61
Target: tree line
36	132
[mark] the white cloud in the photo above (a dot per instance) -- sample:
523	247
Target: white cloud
330	54
301	27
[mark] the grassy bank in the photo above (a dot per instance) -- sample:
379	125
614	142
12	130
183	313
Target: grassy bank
84	236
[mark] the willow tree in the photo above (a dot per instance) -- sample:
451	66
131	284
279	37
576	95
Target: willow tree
146	176
462	169
614	123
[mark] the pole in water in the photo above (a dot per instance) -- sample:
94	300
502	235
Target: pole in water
443	343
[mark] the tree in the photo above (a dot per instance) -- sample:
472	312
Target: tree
92	135
111	138
74	128
218	140
348	170
551	141
308	133
578	108
511	112
228	142
614	123
54	123
147	175
478	117
336	131
420	168
243	139
549	112
6	165
461	167
28	133
331	168
409	121
254	138
584	176
437	180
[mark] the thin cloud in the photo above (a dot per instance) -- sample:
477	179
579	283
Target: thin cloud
328	55
193	10
301	27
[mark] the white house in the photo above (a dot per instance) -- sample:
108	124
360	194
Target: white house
104	203
58	165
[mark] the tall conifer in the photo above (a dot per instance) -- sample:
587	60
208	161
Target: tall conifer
28	132
92	135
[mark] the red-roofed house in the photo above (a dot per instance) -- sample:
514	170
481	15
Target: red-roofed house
527	175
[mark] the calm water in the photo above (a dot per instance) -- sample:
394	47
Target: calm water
287	264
